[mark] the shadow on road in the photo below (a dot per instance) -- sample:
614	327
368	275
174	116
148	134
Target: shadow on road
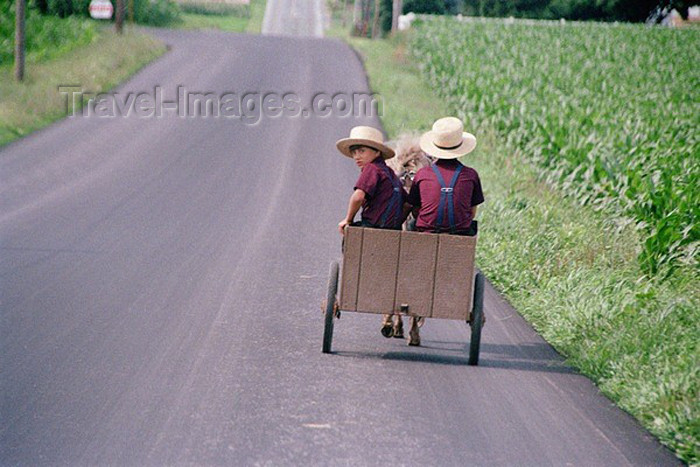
531	357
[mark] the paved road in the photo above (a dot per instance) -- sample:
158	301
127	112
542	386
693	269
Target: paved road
294	18
161	281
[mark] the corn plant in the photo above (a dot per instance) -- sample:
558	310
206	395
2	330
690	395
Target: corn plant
609	112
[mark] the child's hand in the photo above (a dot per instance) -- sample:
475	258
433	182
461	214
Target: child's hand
356	200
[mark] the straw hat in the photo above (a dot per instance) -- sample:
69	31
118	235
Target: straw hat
448	140
365	136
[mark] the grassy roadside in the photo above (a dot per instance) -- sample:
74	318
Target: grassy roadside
393	76
243	19
257	14
97	67
575	277
231	23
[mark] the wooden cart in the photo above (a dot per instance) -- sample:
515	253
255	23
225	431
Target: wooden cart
407	273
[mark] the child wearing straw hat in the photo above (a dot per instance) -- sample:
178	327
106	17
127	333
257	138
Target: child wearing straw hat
378	191
446	194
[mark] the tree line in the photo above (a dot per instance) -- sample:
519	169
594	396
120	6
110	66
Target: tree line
153	12
373	16
597	10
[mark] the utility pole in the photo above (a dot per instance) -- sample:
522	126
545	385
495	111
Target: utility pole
345	13
19	40
357	17
119	18
396	7
375	21
366	13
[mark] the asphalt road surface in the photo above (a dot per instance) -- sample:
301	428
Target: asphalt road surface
294	18
161	278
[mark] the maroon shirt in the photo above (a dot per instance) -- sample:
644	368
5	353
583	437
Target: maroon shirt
375	181
425	193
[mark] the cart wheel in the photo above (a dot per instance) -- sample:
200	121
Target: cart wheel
477	319
330	305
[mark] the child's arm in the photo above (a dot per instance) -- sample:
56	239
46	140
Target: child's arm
473	212
354	205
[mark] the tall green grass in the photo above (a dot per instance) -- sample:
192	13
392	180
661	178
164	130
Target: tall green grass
609	113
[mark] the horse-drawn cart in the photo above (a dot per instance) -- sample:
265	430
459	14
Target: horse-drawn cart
407	273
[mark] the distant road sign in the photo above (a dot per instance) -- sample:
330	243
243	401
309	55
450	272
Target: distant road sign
101	9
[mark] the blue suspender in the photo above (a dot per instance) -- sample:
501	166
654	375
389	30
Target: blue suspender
446	194
393	202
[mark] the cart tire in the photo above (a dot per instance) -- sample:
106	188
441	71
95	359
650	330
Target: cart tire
477	319
330	304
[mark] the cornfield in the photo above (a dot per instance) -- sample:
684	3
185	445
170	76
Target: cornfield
609	113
